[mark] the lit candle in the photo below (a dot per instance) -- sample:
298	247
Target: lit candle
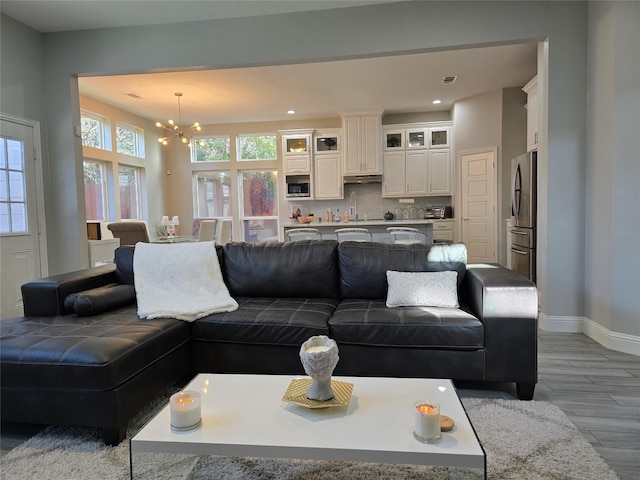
317	349
185	410
427	422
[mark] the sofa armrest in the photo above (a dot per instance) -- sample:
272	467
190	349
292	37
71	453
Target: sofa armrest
507	304
45	296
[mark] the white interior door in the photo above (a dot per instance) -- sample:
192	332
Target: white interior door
20	258
478	201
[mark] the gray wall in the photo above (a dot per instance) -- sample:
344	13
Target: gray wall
612	256
374	30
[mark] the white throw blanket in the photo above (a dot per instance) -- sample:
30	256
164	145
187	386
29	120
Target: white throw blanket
180	281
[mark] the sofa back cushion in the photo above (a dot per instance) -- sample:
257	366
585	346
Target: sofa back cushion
123	259
302	269
363	265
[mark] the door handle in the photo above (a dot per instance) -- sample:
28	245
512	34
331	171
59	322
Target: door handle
466	219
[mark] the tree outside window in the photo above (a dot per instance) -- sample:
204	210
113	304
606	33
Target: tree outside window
126	140
257	147
91	132
212	149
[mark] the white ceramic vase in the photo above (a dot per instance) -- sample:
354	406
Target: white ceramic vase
319	356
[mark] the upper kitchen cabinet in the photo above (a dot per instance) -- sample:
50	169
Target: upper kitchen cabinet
405	139
296	151
416	162
362	145
440	137
327	164
531	89
327	142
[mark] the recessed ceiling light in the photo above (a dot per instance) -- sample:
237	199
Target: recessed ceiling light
437	102
291	112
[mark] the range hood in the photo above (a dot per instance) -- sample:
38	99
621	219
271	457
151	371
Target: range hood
363	179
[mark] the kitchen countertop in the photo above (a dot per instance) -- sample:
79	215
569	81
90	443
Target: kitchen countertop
363	223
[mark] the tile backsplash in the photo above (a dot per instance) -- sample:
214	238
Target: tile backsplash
369	202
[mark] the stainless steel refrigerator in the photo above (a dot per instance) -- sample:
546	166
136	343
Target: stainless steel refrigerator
523	214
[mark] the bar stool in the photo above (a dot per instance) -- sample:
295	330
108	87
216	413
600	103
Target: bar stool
354	234
407	235
295	234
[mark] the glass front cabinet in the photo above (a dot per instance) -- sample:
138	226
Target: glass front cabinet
296	151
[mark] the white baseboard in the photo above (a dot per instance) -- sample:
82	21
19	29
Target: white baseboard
620	342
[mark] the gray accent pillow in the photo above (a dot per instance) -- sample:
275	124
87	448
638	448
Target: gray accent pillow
422	289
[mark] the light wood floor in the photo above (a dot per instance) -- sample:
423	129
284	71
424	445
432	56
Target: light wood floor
598	389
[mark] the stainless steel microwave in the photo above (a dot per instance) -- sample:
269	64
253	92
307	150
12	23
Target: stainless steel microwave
296	190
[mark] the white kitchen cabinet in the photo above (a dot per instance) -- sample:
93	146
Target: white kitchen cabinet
362	145
296	151
405	173
416	159
531	89
440	172
417	172
394	178
296	164
328	176
443	230
440	137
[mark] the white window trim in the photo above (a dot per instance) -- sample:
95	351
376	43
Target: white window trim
105	129
139	139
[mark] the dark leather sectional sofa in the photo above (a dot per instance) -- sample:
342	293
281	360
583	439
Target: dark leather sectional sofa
81	355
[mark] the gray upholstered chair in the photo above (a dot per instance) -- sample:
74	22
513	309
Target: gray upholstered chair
225	234
207	230
129	233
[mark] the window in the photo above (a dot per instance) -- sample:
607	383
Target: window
260	205
257	147
213	194
95	131
95	190
211	149
129	183
13	197
129	140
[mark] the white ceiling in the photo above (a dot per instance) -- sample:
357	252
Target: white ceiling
394	84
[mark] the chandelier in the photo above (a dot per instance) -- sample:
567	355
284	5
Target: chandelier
174	128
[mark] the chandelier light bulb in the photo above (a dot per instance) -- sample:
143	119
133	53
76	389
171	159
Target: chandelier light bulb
175	128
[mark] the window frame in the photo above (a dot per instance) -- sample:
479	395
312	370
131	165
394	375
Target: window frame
106	198
240	136
138	190
194	150
138	133
12	200
105	130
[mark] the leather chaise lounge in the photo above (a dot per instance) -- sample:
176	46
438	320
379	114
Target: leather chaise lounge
81	356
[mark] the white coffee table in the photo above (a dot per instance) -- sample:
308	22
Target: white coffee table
244	415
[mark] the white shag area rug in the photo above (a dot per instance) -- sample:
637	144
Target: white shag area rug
522	440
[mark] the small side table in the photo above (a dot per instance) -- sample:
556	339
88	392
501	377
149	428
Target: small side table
102	251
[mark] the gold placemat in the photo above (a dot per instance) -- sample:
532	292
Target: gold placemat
297	393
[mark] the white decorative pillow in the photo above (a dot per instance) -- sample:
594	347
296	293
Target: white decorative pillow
422	289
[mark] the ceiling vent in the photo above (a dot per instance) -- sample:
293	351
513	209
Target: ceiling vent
449	80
